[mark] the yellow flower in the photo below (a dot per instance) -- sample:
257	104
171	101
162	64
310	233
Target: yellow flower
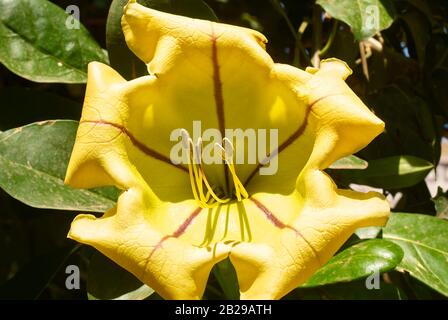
173	222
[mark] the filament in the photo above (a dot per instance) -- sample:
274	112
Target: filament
202	190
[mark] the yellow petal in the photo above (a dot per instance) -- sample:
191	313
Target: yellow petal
323	217
201	66
175	269
273	266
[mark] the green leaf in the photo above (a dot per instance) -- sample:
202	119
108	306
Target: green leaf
108	281
227	279
420	32
355	290
33	162
37	45
365	17
32	280
424	242
349	162
441	204
389	173
121	58
357	262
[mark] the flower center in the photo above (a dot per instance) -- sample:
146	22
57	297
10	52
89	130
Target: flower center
203	192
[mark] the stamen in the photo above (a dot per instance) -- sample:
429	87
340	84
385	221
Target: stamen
227	155
185	138
192	178
203	176
197	174
228	148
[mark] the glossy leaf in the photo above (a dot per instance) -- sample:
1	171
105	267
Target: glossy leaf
389	173
354	290
424	242
419	30
108	281
121	58
33	161
37	44
358	261
349	162
365	17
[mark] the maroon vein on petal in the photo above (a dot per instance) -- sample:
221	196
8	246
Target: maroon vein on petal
218	95
140	145
177	233
291	139
281	225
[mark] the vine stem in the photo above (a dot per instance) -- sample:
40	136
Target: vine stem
330	40
299	49
317	34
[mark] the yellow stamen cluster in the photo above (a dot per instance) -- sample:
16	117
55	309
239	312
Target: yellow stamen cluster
202	190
